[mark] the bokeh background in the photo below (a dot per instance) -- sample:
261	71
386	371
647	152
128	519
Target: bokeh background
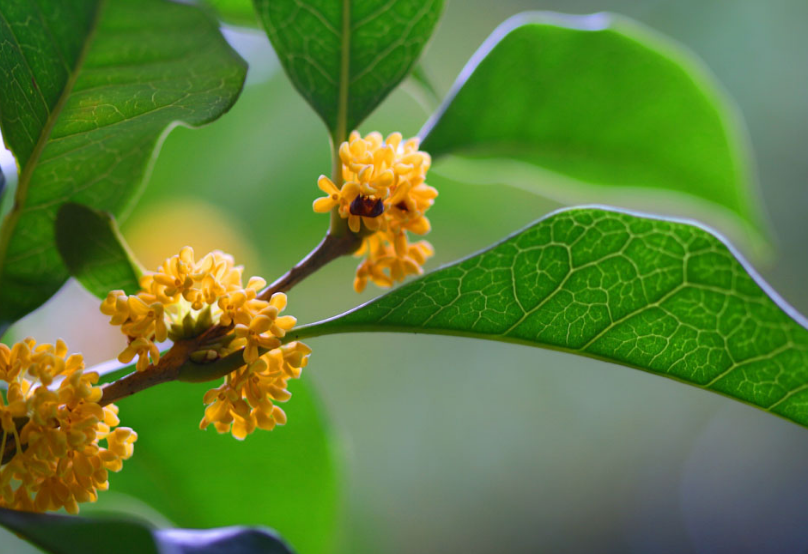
450	445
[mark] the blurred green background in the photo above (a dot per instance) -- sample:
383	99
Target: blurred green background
452	445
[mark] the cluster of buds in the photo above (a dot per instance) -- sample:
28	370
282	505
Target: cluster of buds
52	427
244	402
384	188
185	298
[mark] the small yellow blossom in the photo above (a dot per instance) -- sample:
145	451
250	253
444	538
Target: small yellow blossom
51	435
389	258
384	189
336	197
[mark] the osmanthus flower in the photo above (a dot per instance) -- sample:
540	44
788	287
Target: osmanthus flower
52	435
180	300
246	400
265	327
183	299
384	189
389	257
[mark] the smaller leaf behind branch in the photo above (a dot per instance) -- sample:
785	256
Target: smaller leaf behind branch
94	251
662	296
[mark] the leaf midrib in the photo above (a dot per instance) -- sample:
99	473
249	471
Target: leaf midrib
321	328
10	222
341	131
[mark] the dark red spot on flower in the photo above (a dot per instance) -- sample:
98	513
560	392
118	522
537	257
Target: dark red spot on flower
367	206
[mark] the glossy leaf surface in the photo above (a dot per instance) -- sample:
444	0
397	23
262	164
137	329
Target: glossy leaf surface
94	251
346	56
87	90
59	534
609	111
662	296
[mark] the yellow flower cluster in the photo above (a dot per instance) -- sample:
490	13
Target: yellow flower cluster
384	189
182	300
51	432
244	401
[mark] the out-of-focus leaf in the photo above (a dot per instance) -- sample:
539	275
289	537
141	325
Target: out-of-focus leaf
67	534
345	56
662	296
237	12
226	540
285	479
610	111
58	534
423	81
94	251
87	90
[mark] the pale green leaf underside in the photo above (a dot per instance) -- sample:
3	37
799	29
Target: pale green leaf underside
621	114
58	534
383	40
662	296
87	90
94	251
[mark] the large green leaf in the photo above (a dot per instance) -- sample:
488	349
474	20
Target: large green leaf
345	56
94	251
662	296
285	479
609	112
87	90
66	535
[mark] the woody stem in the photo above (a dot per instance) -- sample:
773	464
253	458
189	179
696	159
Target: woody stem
329	249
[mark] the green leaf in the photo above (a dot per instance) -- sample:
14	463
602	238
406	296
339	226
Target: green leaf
229	540
424	87
237	12
663	296
607	111
285	479
88	90
69	534
94	251
346	56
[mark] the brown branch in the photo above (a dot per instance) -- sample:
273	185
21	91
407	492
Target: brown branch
166	370
329	249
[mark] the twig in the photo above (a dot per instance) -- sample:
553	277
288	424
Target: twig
329	249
